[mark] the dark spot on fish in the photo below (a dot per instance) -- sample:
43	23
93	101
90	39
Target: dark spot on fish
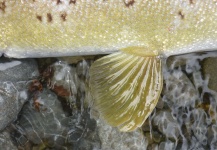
72	1
130	3
2	6
191	1
39	18
59	2
63	16
49	17
181	14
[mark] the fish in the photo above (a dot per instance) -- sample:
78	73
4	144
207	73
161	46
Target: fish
136	34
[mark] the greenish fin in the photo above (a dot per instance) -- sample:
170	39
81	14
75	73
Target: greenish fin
126	88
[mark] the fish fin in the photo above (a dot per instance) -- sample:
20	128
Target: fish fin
126	88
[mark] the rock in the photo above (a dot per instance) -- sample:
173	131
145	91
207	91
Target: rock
167	124
152	147
191	102
188	62
199	126
112	138
175	61
14	77
76	59
66	80
6	142
167	145
47	124
15	70
146	126
179	90
11	101
160	103
50	126
184	118
157	137
83	132
209	69
71	80
212	136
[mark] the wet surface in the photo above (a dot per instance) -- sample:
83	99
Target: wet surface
46	104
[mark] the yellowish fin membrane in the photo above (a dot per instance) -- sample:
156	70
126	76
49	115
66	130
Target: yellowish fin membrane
126	87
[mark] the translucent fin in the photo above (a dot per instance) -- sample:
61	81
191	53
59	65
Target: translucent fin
125	88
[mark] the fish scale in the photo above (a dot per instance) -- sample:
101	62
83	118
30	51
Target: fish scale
65	27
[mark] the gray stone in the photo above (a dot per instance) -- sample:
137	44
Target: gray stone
53	127
11	101
14	77
48	123
18	69
167	124
112	138
6	142
66	77
74	79
179	90
167	145
199	126
212	136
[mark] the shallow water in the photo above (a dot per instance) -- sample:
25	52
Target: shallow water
47	105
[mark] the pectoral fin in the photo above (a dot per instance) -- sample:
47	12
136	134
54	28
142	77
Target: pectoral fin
125	88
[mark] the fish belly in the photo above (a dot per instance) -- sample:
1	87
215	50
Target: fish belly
40	28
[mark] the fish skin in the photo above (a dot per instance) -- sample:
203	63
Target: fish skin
40	28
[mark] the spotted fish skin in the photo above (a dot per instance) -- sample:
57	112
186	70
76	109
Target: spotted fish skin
30	28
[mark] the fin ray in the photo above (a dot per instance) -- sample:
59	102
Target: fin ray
125	88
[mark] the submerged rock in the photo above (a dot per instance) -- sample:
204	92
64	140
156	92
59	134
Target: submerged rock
185	117
178	90
6	142
167	124
48	124
11	102
189	106
52	124
14	77
209	69
15	70
53	127
112	138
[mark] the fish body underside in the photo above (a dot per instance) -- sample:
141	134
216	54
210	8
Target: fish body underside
40	28
126	84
